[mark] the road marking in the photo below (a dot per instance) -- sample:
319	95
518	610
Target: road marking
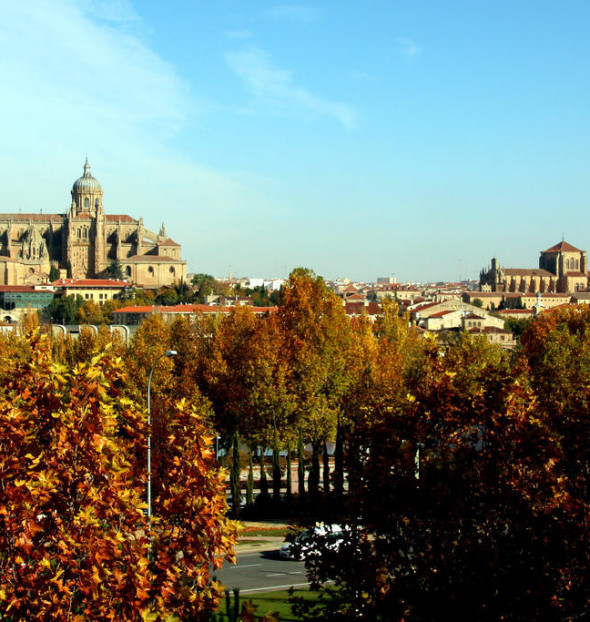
247	566
272	588
280	574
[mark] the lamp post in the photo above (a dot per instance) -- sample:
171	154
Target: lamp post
168	354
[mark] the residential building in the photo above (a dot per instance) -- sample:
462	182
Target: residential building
97	290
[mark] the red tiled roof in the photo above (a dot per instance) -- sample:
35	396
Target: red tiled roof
563	247
526	272
151	259
355	297
34	217
20	288
425	306
122	218
441	313
169	242
145	309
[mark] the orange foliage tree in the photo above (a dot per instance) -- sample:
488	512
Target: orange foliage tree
75	543
466	503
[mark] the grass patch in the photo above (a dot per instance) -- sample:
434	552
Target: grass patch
250	532
270	602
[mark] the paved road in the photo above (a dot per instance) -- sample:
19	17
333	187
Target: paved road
262	572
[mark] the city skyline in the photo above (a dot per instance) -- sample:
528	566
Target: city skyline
397	138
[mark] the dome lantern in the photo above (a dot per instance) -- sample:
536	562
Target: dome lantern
86	193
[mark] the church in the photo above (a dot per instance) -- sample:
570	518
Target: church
563	268
82	243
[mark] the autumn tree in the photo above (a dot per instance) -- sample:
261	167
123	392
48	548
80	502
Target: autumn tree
246	376
316	333
464	504
75	542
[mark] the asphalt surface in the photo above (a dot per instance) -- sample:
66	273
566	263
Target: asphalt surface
259	568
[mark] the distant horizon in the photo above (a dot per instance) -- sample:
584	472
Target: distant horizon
415	140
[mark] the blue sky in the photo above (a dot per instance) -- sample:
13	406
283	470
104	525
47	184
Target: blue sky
389	137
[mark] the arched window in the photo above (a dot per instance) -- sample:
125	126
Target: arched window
128	270
151	270
86	202
95	202
79	234
171	269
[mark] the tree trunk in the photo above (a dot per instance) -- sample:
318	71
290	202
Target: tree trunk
289	476
235	475
276	470
301	464
313	480
339	464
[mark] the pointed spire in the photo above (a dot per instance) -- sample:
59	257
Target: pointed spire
86	168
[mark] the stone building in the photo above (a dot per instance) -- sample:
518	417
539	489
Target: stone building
562	269
83	242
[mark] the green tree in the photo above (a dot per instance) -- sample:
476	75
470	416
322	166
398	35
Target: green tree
64	309
53	273
167	297
113	271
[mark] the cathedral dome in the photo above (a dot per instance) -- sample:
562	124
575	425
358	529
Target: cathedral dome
86	183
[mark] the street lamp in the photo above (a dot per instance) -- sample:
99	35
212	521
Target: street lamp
168	354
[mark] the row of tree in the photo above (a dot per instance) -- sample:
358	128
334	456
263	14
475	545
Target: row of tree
467	467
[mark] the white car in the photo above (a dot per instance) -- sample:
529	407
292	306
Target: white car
330	535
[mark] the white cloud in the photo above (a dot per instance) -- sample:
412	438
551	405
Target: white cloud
76	86
273	86
120	12
408	48
294	12
60	66
238	35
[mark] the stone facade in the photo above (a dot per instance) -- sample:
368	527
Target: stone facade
562	269
85	241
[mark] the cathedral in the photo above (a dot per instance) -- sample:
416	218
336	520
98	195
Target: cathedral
563	268
82	243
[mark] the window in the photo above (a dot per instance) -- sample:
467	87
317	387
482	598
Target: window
151	270
128	270
86	202
171	270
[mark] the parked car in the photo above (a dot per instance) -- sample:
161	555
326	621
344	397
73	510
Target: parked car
311	540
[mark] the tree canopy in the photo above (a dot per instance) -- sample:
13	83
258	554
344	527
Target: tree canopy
75	543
